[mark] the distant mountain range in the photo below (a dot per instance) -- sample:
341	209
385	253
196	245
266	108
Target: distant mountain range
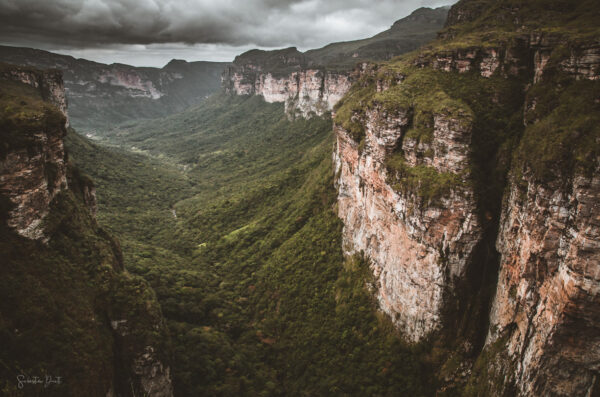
103	95
405	35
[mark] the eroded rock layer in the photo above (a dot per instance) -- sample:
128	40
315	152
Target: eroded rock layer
32	166
417	249
547	303
305	91
430	172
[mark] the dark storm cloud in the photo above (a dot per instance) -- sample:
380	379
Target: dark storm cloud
268	23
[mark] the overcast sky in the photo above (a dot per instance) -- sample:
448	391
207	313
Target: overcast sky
152	32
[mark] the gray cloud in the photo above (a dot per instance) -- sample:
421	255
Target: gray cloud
122	25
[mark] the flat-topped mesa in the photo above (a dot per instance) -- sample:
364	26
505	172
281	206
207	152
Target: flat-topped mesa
286	76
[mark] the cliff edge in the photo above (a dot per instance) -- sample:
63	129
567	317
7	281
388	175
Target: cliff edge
314	81
467	175
69	313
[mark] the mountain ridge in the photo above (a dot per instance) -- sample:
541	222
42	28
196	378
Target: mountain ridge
103	95
314	81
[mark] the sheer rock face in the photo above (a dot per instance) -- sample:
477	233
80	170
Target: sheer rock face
155	379
545	317
417	252
584	63
32	175
544	332
303	91
135	84
31	179
151	376
514	60
548	296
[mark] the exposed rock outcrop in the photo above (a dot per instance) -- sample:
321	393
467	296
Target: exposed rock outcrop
313	82
547	304
32	166
393	145
48	82
101	96
304	91
417	250
78	266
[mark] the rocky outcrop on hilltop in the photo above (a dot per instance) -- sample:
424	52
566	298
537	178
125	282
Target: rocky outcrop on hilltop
48	82
68	308
33	168
479	155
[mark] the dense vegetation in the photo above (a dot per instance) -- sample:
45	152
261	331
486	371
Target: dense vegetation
250	275
57	298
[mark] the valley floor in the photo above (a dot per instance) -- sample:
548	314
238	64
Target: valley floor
250	273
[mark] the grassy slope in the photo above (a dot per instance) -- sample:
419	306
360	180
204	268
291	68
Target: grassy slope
252	281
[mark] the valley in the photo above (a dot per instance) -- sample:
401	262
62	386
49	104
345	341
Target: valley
411	214
251	271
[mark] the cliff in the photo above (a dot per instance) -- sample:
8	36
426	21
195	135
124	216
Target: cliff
68	310
313	82
33	163
101	96
473	158
286	76
406	204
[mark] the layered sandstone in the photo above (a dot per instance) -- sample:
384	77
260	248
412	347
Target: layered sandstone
40	193
49	83
544	323
304	92
417	250
547	304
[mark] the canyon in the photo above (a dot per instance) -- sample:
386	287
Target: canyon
312	82
395	144
435	199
